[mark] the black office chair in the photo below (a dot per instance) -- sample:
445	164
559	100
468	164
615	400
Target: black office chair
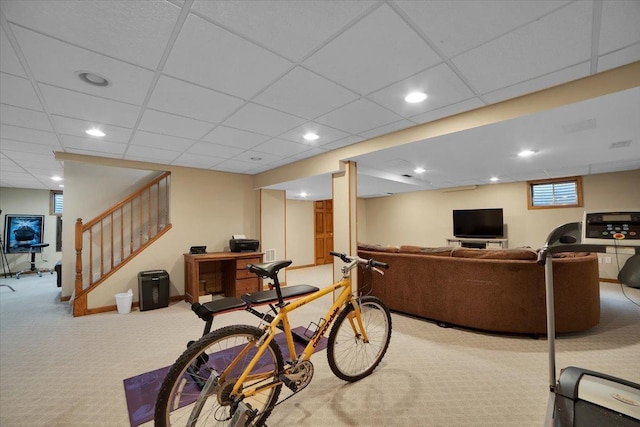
34	269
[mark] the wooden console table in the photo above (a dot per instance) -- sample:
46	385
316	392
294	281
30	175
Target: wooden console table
220	272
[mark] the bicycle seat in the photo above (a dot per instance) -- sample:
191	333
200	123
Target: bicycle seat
268	269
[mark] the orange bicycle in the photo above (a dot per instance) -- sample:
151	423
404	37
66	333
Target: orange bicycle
233	376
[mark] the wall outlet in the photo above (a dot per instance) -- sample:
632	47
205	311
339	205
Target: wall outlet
607	260
599	260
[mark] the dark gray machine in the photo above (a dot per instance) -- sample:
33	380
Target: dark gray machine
581	397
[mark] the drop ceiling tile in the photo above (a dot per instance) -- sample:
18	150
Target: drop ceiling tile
165	142
145	154
309	153
234	137
88	107
16	116
391	127
170	124
92	145
128	83
185	99
235	166
606	167
293	29
7	165
213	57
136	31
326	134
214	150
442	86
93	153
366	58
18	92
304	94
281	148
549	44
619	26
249	156
41	159
619	58
259	119
457	26
196	161
28	135
539	83
359	116
9	145
467	105
342	142
77	127
9	62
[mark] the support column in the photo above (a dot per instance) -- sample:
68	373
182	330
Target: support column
345	193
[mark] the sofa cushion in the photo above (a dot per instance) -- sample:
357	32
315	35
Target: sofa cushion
441	251
377	248
514	253
570	254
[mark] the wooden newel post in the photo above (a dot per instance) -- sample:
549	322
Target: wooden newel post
79	303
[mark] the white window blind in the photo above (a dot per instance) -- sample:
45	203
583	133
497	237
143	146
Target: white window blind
57	203
554	194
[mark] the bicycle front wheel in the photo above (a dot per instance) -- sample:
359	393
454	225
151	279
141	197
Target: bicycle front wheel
197	389
350	357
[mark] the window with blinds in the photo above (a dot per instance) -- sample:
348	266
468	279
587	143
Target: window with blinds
555	193
56	203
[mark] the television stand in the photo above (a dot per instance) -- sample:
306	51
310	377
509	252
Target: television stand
468	242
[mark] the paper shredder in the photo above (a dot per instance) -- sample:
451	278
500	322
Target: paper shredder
153	289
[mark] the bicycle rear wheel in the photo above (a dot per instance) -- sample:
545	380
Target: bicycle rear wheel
194	391
350	358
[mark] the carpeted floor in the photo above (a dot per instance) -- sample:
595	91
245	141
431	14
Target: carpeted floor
56	370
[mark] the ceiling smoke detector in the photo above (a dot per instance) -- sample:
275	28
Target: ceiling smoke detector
93	79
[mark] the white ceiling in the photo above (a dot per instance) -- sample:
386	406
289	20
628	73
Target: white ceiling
233	86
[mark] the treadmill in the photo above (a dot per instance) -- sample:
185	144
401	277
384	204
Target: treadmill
581	397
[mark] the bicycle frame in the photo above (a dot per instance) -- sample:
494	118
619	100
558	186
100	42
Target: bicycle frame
343	298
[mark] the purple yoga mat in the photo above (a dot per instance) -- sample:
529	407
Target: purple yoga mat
141	391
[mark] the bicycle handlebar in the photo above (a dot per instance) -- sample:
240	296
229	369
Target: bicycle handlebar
368	263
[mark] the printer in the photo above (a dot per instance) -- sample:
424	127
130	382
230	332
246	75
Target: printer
239	243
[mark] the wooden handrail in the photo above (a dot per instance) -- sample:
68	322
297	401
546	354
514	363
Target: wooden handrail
124	201
138	240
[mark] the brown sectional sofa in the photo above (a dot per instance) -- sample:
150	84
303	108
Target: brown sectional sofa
499	290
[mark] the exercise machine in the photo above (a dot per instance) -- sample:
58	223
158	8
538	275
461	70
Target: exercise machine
581	397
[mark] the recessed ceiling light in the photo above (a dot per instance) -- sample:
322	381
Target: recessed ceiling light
494	179
310	136
95	132
419	170
61	185
526	153
303	194
93	79
56	178
415	97
257	159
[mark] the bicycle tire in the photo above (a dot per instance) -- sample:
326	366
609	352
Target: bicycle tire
350	358
177	397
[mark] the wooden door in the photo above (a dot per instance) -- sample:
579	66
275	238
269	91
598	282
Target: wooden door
323	210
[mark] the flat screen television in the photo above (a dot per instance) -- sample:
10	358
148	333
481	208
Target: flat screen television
478	223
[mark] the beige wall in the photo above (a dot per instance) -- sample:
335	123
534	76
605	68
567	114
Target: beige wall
425	218
300	232
207	207
18	201
273	217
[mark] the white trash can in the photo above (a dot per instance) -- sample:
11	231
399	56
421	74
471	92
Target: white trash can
124	301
